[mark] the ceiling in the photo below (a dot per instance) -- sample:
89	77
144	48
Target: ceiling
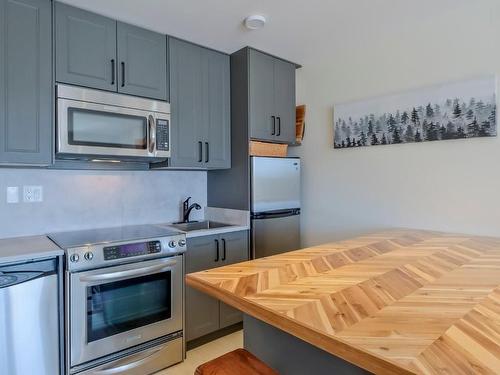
300	31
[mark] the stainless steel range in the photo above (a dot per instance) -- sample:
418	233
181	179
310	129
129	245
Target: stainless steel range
124	299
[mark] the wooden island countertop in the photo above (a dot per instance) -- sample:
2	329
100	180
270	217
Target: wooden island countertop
393	302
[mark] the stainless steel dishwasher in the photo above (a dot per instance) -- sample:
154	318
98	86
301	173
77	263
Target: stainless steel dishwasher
29	318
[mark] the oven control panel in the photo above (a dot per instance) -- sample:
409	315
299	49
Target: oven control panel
103	255
131	250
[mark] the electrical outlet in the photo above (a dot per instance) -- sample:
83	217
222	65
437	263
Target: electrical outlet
12	194
32	194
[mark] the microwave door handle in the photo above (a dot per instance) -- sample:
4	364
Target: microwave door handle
145	357
128	273
152	134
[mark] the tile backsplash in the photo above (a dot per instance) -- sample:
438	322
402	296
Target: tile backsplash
74	200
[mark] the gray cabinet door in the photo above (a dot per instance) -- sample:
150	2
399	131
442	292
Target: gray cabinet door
202	311
142	62
284	100
26	124
236	244
261	100
187	128
217	110
85	48
236	251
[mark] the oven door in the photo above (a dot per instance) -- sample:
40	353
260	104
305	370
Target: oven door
98	130
116	308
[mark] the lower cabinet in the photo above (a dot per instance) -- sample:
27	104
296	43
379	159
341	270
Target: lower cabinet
205	314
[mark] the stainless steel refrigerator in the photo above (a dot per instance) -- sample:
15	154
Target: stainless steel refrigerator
275	205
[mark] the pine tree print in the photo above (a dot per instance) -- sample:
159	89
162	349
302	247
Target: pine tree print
420	120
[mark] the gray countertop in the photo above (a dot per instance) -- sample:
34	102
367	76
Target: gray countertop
209	232
20	249
236	220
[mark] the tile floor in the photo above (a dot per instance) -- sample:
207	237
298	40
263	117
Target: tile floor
205	353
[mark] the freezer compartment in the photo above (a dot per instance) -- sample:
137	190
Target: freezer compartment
274	233
275	183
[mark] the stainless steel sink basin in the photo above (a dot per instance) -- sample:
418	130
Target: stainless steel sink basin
200	225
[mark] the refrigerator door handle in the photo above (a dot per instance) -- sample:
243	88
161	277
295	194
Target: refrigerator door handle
276	214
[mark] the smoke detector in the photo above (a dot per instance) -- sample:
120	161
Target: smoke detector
255	21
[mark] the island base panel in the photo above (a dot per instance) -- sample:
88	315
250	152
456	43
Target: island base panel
289	355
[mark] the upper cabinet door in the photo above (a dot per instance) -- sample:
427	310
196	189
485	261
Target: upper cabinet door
186	86
217	110
26	125
262	117
142	62
284	99
85	48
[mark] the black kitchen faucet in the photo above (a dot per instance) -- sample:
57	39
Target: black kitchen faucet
186	210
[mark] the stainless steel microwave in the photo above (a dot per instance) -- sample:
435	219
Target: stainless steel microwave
93	124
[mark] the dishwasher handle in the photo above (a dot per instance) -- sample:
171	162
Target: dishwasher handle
128	273
22	273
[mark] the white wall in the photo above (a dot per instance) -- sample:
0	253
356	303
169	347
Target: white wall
447	185
75	200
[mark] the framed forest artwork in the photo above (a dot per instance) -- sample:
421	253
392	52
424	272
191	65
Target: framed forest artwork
465	109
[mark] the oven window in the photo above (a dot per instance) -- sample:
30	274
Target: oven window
128	304
104	129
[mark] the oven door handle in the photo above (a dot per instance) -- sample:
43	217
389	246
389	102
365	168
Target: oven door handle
129	366
128	273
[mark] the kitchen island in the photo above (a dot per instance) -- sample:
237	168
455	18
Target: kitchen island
392	302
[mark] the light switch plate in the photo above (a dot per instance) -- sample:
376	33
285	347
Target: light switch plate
12	194
32	194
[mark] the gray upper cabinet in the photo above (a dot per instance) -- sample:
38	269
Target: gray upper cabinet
142	62
99	52
187	129
200	104
262	116
26	82
284	100
218	97
85	48
271	98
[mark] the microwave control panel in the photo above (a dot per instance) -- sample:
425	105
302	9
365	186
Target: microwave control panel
162	135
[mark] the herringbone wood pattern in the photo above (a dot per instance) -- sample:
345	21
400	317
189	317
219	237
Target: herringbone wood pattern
400	301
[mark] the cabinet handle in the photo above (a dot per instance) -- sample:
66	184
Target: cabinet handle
223	249
279	126
207	153
217	246
273	132
123	74
200	152
113	71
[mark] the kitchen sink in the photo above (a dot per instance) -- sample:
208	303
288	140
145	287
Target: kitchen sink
199	225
